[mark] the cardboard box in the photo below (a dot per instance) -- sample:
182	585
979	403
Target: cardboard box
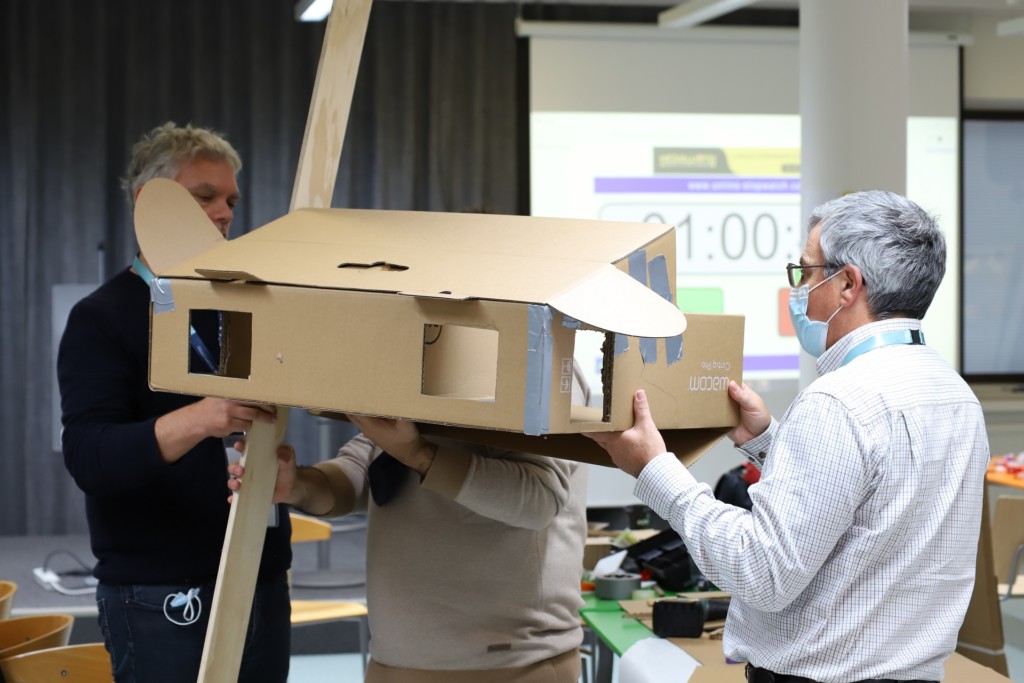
981	635
453	320
594	549
1007	536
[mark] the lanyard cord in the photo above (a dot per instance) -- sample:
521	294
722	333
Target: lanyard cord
194	340
912	337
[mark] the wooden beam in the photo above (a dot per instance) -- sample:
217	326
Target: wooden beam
329	109
314	187
240	556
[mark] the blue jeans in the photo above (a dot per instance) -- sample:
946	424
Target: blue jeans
146	647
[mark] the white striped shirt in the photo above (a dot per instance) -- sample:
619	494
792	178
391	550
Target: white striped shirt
858	558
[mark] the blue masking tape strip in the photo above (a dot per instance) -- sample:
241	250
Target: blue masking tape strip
571	323
621	344
163	302
649	350
658	270
674	349
638	266
537	400
163	297
637	263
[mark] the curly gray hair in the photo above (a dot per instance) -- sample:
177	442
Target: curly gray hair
161	151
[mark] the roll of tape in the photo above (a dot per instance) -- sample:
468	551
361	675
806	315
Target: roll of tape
617	586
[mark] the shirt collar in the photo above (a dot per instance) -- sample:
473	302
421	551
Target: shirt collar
833	357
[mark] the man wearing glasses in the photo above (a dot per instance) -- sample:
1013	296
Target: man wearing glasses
857	560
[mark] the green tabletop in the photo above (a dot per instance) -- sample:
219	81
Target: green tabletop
618	632
592	603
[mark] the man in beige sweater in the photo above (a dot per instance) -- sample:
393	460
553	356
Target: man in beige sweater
473	559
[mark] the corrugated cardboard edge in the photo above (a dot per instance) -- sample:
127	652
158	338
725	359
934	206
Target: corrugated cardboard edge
687	444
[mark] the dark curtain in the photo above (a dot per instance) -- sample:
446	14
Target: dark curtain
434	126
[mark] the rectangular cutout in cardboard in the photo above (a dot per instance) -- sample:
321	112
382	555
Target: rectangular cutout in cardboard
234	336
460	362
598	403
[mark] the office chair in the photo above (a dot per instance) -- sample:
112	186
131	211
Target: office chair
38	632
88	663
7	591
307	612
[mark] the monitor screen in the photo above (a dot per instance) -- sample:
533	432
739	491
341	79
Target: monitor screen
993	249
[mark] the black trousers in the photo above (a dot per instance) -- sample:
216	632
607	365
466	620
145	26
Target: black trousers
758	675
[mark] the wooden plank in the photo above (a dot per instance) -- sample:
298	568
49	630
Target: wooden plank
314	187
329	109
240	556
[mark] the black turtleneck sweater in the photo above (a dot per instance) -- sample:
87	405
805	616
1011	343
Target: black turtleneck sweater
149	522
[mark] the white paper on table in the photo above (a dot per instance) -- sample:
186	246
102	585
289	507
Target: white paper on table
608	565
656	660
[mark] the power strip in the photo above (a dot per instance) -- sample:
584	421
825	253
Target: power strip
47	578
50	580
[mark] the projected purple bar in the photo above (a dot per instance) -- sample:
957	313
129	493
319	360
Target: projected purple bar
771	363
698	185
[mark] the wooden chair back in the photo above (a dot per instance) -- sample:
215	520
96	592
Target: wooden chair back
306	529
7	591
88	663
37	632
306	612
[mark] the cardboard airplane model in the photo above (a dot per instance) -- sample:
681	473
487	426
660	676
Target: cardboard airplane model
462	320
466	323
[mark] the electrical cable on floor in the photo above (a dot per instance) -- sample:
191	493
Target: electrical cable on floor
50	579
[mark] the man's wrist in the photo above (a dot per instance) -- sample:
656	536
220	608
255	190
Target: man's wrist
304	495
424	458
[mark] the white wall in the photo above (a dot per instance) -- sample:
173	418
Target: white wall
993	65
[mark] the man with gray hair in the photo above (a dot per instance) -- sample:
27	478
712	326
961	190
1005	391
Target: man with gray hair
153	465
857	560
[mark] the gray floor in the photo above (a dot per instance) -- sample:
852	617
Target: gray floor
1013	634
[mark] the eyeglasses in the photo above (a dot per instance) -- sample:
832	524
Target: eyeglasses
796	274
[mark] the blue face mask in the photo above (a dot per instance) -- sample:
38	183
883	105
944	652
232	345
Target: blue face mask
811	333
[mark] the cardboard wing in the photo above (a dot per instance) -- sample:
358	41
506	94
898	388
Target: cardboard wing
463	320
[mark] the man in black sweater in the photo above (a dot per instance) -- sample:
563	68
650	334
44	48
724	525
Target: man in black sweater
153	465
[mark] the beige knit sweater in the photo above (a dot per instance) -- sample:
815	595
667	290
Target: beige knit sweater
477	566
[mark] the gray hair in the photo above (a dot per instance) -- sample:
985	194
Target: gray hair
898	247
161	152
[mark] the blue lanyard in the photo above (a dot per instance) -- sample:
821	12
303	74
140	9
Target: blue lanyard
194	340
886	339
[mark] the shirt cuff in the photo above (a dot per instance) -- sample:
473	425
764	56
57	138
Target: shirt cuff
757	448
342	490
448	472
661	482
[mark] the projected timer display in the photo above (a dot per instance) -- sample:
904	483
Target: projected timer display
730	185
716	238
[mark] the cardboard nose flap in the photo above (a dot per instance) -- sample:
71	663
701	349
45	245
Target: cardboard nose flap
171	226
613	301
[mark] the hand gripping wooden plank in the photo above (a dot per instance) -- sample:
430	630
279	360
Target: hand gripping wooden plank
240	556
